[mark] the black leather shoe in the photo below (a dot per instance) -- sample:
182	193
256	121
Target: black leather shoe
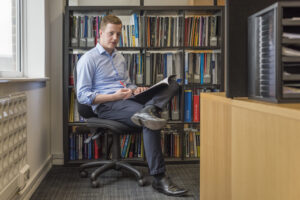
149	118
166	186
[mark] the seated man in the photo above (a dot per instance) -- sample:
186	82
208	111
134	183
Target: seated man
103	82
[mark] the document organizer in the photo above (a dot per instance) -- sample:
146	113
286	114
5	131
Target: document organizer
274	53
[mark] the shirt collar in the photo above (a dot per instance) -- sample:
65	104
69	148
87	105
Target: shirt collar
103	51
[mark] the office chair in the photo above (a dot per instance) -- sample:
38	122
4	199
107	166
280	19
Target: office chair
111	128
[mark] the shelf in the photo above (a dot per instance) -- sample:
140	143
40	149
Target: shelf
141	162
150	48
290	59
214	86
191	122
175	122
76	124
169	122
290	22
89	48
163	48
202	48
290	41
70	60
292	77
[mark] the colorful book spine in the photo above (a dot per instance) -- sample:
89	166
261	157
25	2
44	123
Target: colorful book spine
196	110
187	105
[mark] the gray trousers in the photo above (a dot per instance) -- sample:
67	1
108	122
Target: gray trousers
122	111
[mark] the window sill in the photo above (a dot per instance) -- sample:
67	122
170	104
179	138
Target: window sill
21	80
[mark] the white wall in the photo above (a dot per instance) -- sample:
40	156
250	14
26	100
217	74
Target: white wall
56	9
38	95
35	38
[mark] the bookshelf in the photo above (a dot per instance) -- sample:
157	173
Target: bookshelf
274	53
187	41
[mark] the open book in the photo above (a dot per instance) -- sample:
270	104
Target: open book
143	97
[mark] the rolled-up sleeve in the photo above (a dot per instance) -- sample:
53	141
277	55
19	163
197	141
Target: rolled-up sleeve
85	73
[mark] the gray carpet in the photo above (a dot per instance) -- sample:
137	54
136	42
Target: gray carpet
64	183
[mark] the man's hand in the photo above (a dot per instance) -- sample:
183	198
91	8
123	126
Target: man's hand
123	93
139	90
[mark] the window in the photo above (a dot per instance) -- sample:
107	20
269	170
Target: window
10	39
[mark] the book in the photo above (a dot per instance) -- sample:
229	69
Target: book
196	109
144	96
187	105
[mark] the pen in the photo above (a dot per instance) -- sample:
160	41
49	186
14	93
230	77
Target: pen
123	84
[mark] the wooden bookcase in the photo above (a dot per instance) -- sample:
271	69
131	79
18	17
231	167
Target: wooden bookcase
148	45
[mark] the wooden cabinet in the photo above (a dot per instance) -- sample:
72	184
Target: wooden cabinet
249	149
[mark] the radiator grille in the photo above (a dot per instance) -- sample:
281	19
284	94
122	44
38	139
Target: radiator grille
13	140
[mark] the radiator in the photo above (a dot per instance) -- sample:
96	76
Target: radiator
14	170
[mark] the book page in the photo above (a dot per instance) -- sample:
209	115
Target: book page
143	96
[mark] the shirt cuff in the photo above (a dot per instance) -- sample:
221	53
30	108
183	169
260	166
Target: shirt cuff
131	86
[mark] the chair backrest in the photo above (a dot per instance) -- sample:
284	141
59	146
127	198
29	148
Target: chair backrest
84	110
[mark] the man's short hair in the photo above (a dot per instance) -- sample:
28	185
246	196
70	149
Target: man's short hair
109	19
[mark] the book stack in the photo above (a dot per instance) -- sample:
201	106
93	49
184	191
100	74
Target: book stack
201	31
171	143
191	142
132	146
80	150
163	31
202	67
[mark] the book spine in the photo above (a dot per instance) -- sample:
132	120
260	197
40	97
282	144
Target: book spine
196	109
96	153
187	105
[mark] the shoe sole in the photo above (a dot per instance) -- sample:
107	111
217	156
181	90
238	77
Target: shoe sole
153	125
173	195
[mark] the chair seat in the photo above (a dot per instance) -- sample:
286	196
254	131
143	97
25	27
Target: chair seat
114	126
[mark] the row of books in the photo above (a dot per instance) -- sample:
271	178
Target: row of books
202	67
79	150
164	31
161	64
132	145
161	31
73	109
135	67
84	30
192	103
201	31
171	143
191	143
170	112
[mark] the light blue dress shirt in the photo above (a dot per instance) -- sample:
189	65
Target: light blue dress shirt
98	72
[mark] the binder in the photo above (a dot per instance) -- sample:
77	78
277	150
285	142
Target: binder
187	105
196	107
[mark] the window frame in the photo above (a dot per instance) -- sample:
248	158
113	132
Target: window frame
18	72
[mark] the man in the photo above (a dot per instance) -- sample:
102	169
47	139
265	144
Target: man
103	83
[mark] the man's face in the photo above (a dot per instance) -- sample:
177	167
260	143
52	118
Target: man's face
109	37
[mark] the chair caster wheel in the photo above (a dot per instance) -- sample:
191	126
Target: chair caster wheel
141	182
95	184
83	174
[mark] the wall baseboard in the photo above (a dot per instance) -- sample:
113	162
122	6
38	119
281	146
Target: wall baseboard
58	159
34	181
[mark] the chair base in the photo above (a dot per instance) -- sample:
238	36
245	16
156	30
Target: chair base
105	165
